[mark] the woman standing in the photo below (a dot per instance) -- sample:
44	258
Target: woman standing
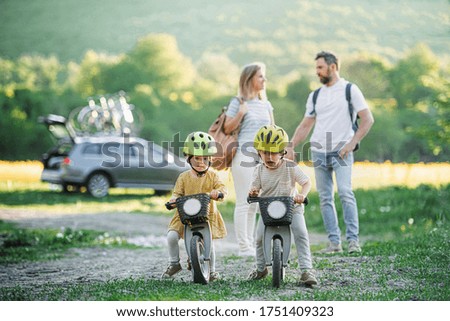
252	110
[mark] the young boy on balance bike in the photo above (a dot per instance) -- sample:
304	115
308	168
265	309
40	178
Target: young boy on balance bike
277	176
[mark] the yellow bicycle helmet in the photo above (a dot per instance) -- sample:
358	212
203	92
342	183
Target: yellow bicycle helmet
199	144
271	138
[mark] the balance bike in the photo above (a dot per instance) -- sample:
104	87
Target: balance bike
193	210
276	213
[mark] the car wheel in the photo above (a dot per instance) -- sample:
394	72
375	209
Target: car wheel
98	185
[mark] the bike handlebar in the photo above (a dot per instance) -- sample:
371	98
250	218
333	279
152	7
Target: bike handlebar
172	205
256	199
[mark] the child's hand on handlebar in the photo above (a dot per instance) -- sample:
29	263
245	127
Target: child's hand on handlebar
253	192
299	198
216	194
171	204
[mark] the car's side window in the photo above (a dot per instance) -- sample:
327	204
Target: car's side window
92	149
130	150
156	158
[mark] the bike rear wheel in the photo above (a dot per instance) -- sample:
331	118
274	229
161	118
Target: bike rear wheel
277	263
200	266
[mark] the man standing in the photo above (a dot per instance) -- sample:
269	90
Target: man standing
332	144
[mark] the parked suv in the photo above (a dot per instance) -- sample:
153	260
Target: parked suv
101	162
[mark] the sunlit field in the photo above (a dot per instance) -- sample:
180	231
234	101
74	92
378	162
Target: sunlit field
366	175
404	230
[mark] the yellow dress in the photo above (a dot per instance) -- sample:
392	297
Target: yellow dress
188	184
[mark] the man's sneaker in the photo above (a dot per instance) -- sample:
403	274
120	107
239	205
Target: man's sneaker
353	247
308	278
172	269
214	276
258	275
332	248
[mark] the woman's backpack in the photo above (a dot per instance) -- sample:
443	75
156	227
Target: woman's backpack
227	144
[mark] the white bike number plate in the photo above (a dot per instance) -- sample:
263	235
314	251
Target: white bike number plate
276	209
192	206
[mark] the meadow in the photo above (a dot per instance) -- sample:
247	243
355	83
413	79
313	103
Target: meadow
404	231
375	187
366	175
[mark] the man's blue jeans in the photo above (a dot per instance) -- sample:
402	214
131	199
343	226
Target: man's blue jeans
324	166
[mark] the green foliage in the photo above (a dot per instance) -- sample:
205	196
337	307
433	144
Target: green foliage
386	129
413	76
285	35
177	96
157	61
436	130
218	74
298	91
370	73
30	72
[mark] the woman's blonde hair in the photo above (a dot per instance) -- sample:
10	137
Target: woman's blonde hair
245	82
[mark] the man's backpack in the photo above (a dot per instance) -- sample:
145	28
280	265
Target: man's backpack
348	96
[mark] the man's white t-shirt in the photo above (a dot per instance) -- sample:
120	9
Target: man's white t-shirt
333	126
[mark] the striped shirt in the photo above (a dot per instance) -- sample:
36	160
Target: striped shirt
280	181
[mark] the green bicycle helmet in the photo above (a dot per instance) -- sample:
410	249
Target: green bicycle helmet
271	138
199	144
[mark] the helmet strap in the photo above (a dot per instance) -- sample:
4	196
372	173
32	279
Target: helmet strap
199	174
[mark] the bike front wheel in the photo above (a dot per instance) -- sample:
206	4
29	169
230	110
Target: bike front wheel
200	266
277	263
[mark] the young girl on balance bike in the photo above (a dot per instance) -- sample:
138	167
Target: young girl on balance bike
198	149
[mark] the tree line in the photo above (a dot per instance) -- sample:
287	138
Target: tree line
409	97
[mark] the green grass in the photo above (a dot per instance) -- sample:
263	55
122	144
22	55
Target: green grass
18	244
392	211
388	212
414	268
405	255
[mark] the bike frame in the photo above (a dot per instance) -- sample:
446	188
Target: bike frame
204	231
277	232
197	232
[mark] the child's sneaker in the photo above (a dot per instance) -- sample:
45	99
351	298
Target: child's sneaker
214	276
353	247
308	278
258	275
172	269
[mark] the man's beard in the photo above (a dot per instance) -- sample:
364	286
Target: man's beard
325	80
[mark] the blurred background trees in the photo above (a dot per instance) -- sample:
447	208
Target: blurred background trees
180	81
409	98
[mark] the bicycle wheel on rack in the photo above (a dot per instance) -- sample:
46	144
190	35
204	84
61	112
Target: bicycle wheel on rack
277	263
200	266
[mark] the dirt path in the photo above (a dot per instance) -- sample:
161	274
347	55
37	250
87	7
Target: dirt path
101	264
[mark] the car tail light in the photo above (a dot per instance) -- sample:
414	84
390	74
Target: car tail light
66	161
